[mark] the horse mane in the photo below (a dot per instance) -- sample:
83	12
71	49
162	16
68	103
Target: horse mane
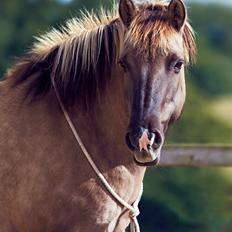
80	56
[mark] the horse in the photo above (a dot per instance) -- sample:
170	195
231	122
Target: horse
120	76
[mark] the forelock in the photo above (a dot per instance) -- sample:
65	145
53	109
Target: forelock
152	34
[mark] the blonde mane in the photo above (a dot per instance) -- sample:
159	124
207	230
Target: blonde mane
88	27
80	56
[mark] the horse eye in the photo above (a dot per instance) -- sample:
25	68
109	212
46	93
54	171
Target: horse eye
123	65
177	66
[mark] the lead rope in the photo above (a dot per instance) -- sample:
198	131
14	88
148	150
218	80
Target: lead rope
133	209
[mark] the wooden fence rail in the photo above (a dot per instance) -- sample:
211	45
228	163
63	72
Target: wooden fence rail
197	155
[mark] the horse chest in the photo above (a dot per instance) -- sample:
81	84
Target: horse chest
96	209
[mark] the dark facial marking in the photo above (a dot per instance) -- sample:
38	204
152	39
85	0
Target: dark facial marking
150	52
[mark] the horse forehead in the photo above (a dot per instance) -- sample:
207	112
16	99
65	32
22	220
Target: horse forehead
155	39
153	68
144	69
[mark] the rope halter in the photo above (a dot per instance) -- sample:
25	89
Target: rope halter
133	209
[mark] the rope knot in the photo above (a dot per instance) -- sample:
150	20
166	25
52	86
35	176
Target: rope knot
134	225
135	213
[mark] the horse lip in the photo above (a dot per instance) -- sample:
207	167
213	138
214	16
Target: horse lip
148	164
150	158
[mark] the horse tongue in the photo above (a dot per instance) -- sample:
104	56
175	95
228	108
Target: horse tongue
144	141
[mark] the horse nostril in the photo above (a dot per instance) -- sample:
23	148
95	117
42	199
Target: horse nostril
158	139
144	140
129	142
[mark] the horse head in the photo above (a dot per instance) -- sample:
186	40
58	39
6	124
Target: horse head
156	49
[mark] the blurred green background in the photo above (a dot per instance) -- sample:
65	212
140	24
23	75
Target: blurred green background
175	199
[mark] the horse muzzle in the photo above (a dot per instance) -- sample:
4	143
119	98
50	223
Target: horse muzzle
146	146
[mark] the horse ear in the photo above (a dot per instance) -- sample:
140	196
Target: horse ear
127	11
177	13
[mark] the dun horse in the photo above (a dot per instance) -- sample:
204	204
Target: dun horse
120	78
